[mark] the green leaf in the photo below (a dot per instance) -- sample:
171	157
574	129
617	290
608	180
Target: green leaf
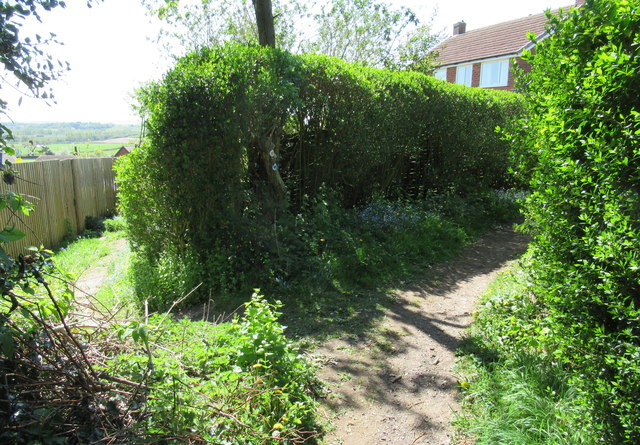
7	343
11	234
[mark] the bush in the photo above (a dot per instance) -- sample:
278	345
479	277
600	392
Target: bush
115	224
240	382
584	209
242	139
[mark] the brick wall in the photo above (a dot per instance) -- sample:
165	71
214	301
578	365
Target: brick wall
475	75
451	74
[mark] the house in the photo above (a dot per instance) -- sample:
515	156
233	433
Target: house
483	57
124	150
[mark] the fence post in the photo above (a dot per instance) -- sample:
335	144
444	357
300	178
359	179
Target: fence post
77	195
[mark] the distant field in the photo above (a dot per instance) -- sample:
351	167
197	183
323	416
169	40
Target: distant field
81	138
62	138
122	141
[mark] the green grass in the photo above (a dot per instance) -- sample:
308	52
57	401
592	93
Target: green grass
514	393
79	256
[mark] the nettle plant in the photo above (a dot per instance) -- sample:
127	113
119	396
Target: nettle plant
236	382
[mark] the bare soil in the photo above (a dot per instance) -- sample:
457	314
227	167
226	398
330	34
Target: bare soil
398	386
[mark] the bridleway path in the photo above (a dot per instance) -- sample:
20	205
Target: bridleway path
406	393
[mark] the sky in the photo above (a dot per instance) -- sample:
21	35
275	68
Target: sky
111	51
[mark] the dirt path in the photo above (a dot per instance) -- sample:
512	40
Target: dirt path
398	386
88	309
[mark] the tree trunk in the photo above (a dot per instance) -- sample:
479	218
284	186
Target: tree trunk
268	143
264	20
268	146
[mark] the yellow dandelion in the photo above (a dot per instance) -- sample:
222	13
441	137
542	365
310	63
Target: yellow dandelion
278	426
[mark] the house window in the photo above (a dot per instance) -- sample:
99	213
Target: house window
494	74
463	75
441	74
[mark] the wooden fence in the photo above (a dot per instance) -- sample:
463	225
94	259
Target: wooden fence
64	193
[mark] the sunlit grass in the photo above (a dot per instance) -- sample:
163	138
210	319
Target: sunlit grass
115	290
513	392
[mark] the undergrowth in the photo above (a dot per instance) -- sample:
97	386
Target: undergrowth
514	391
162	379
238	382
325	249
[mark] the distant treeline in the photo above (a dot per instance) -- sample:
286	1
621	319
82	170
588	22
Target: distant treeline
69	132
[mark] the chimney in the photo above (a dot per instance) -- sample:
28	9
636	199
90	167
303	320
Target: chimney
459	28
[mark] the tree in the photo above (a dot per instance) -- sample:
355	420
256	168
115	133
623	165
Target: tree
190	25
264	22
364	31
414	53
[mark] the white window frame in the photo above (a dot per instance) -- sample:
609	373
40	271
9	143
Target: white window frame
464	75
441	74
494	73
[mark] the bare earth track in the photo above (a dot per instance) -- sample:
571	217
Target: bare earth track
405	392
397	385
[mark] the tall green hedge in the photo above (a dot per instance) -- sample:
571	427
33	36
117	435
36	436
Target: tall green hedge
584	211
237	134
370	131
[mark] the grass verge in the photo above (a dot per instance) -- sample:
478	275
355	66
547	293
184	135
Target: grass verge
514	392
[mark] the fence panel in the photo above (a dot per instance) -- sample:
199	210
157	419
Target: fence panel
65	193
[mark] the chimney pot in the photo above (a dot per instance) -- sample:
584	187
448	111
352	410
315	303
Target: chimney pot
459	28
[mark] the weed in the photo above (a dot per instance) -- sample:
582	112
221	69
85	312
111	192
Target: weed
236	382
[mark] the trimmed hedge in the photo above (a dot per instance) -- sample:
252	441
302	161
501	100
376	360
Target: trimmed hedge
237	134
368	131
584	209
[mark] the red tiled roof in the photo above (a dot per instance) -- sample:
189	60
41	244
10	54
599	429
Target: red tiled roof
492	41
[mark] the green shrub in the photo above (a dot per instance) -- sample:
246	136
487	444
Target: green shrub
239	382
242	139
94	224
366	131
584	209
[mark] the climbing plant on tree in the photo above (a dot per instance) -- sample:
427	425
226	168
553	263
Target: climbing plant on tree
584	209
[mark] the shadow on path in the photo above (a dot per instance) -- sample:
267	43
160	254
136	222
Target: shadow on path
396	385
